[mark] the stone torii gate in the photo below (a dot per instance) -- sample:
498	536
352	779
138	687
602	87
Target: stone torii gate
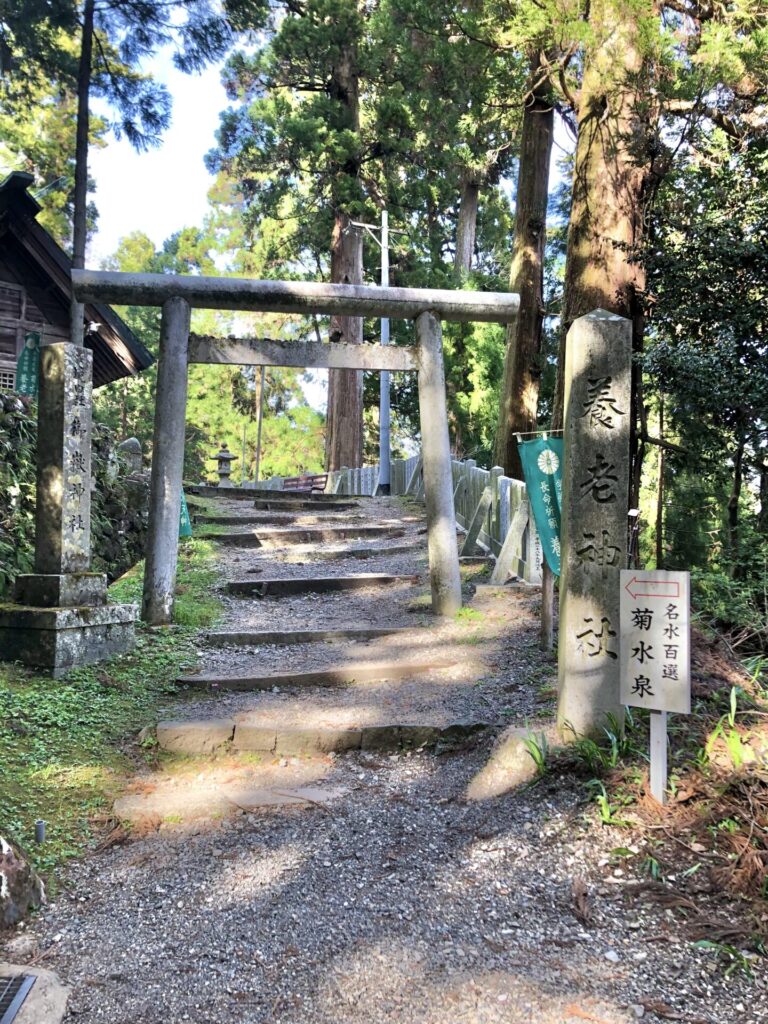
177	295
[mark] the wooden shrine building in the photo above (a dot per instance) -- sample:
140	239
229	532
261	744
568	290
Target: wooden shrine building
35	294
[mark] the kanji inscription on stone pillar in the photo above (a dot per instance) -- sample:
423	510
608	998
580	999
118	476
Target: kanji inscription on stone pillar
594	519
63	517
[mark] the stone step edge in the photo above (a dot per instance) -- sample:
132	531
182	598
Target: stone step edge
209	736
316	584
334	675
318	555
257	519
275	539
266	505
284	637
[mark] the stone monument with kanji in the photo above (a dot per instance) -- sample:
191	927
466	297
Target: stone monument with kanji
61	618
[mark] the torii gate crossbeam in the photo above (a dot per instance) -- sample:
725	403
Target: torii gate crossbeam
178	294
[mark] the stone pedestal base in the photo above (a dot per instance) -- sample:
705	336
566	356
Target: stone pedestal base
59	639
69	590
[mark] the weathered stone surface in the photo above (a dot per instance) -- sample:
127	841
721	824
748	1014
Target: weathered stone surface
130	449
47	1000
381	737
316	534
61	591
270	505
444	577
195	737
63	507
306	535
20	888
594	518
318	584
414	737
253	799
297	741
265	637
173	805
58	639
337	740
460	734
335	675
511	763
250	736
165	490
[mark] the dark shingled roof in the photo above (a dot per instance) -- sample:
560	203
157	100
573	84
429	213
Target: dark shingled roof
39	264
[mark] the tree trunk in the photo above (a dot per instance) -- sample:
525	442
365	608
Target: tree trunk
762	519
660	493
611	178
520	391
344	422
466	228
77	309
733	503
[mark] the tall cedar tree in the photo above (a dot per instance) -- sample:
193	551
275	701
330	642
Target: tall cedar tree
293	145
114	38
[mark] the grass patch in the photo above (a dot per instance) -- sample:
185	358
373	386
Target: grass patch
63	742
195	605
467	615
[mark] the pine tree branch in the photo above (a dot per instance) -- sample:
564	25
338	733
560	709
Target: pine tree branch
686	108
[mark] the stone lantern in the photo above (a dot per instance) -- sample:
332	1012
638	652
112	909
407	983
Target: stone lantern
224	459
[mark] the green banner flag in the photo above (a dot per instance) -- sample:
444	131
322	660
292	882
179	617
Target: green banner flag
185	523
28	366
543	471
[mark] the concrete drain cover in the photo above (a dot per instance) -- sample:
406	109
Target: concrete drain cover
13	992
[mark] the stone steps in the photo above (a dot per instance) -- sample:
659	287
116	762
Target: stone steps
292	556
273	519
300	535
272	505
247	733
304	496
277	587
334	675
281	638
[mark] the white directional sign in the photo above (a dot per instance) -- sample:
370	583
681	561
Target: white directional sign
655	640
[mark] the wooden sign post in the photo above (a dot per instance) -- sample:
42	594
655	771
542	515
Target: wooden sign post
656	655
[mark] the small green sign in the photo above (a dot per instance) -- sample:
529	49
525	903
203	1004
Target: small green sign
28	366
185	523
543	471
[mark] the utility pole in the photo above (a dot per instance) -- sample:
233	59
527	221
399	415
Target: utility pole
385	445
385	450
260	419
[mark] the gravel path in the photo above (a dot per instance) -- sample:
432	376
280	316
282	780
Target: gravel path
400	904
400	901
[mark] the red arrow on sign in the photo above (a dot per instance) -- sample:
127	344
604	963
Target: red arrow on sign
652	588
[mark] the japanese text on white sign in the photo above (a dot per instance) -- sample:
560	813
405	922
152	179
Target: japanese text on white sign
655	640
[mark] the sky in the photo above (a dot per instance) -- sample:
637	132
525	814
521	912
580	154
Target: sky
164	189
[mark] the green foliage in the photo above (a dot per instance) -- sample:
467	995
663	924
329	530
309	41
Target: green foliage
196	605
608	805
118	507
222	401
537	746
64	746
301	148
707	273
733	959
17	488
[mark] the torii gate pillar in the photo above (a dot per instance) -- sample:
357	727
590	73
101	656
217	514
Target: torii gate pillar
167	464
444	576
